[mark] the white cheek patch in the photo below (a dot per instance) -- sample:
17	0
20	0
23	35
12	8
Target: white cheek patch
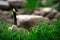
13	9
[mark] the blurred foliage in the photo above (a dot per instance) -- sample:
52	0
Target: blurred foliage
50	3
31	5
55	2
44	31
4	24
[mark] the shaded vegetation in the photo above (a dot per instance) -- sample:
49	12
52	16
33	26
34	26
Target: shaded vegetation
31	5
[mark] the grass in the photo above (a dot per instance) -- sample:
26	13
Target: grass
44	31
31	5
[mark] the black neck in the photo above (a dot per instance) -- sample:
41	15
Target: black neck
15	19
